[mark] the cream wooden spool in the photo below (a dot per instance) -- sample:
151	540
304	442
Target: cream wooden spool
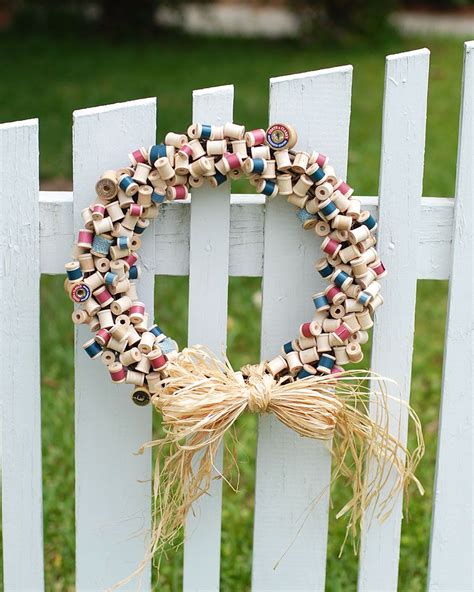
282	160
176	140
284	184
107	186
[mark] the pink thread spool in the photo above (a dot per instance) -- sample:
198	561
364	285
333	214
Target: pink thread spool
310	329
341	334
98	211
103	296
376	266
231	161
102	337
137	312
157	359
344	188
178	192
334	294
255	137
331	247
117	372
85	238
138	156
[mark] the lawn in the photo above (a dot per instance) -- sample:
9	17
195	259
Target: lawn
49	78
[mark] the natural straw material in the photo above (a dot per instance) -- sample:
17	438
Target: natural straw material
203	397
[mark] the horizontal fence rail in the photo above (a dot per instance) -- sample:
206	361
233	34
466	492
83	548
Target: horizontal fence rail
419	237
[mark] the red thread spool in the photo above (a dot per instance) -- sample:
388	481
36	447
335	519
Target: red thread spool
98	212
117	372
138	156
180	192
85	238
379	269
330	246
103	337
255	137
332	293
343	331
187	150
103	296
136	210
344	188
309	329
234	160
130	260
321	160
136	312
157	359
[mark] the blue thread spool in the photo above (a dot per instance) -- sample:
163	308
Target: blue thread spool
155	330
133	273
157	197
326	363
74	271
141	226
110	278
324	268
307	220
92	349
206	131
268	187
125	182
123	242
101	245
317	175
220	178
320	301
304	373
258	165
156	152
368	220
340	278
288	347
363	298
167	345
328	209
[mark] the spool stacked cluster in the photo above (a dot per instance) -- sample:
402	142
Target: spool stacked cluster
102	276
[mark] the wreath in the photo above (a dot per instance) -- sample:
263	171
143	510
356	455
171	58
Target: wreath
201	396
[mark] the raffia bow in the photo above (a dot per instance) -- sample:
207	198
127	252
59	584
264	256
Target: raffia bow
203	397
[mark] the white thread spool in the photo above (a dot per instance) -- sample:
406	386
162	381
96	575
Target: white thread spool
133	336
302	186
375	303
353	209
277	365
341	201
322	228
351	305
324	191
79	317
143	365
308	356
164	167
121	305
284	184
234	131
91	306
337	311
141	173
341	356
312	206
354	352
348	254
107	357
261	152
94	281
86	215
134	377
114	211
119	331
176	140
282	160
146	342
86	262
306	342
322	343
330	325
360	337
364	319
269	172
103	226
240	147
366	280
118	346
181	163
351	321
216	147
300	163
200	167
341	222
294	362
359	267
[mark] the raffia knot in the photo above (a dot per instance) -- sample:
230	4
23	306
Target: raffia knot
258	385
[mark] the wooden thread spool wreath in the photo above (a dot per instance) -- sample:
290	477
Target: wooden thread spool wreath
305	386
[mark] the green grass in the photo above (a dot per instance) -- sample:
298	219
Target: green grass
50	78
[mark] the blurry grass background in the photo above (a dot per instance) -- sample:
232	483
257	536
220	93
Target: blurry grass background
49	77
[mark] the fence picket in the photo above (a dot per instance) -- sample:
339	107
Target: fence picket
112	490
208	284
292	471
22	510
450	566
401	181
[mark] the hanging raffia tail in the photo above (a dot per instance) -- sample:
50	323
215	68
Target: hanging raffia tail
203	397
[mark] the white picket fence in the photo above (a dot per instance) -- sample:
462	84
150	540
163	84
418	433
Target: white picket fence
211	238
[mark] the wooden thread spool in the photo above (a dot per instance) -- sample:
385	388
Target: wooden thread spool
341	356
235	174
154	382
133	336
151	213
178	180
334	294
144	196
91	307
330	325
341	279
308	356
240	147
117	346
92	349
377	266
128	185
324	191
311	329
294	362
234	131
328	209
135	244
368	220
212	167
197	149
216	147
146	342
354	352
284	184
312	206
341	222
179	192
366	280
330	246
119	331
364	319
304	342
142	325
344	188
176	140
282	160
231	161
375	303
302	186
262	152
121	305
254	137
348	254
220	166
157	359
300	163
200	167
139	155
117	253
164	167
299	202
324	268
267	187
117	372
322	228
351	321
141	173
276	366
79	317
103	296
306	371
107	186
132	292
368	242
205	132
353	291
103	226
130	356
342	202
360	336
351	305
114	211
134	377
330	175
307	220
320	301
143	365
181	163
86	215
98	211
359	267
354	208
102	336
316	173
94	281
322	343
326	364
196	181
270	171
124	199
137	312
337	311
107	357
85	238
